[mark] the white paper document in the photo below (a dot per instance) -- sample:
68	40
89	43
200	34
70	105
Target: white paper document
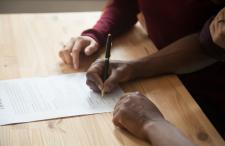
39	98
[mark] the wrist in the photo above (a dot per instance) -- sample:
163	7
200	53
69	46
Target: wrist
152	127
129	70
143	68
164	133
96	35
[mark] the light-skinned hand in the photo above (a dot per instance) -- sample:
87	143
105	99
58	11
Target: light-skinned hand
71	52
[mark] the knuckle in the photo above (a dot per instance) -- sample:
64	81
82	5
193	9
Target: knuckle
89	38
72	39
99	61
75	50
93	48
129	96
126	103
138	93
61	52
66	51
80	40
119	71
93	67
95	44
89	74
97	65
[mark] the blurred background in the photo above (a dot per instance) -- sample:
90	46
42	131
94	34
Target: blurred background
44	6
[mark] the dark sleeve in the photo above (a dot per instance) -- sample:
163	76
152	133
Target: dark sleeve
118	17
208	45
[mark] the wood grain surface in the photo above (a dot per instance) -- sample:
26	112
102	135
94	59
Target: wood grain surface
29	45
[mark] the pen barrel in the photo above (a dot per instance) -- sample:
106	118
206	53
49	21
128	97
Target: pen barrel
107	56
106	70
108	46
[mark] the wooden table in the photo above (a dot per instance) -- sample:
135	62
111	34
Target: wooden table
29	45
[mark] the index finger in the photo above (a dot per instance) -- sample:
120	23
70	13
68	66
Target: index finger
94	74
77	48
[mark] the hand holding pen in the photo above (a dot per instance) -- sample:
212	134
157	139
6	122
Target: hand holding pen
104	75
106	63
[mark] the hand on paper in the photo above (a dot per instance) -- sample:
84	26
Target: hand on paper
71	52
119	71
134	112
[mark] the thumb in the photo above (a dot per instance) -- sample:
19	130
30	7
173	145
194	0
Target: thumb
89	50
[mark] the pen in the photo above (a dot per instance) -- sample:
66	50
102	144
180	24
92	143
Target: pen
106	63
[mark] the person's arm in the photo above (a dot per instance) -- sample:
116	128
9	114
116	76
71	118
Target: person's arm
163	133
118	17
138	115
188	54
183	56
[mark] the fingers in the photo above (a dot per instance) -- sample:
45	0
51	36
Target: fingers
112	80
118	111
94	75
116	75
133	111
65	52
116	120
70	54
93	86
120	101
92	48
79	45
96	79
126	99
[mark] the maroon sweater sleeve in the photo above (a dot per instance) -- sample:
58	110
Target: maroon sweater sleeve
117	18
208	45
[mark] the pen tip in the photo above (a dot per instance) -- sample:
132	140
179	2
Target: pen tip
102	93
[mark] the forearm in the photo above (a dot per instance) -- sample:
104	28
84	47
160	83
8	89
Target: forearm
118	17
183	56
163	133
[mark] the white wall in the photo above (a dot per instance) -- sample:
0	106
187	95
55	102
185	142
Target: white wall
37	6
